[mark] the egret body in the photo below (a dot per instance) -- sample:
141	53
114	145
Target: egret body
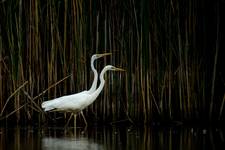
50	104
81	101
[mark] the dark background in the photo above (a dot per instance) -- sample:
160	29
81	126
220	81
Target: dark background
173	53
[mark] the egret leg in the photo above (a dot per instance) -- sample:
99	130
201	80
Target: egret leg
75	124
75	120
68	120
84	119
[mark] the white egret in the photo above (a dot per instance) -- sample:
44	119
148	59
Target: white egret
78	103
49	105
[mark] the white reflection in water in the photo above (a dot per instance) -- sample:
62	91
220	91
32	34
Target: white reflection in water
69	144
112	138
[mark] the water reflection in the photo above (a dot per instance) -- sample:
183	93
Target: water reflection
111	138
69	144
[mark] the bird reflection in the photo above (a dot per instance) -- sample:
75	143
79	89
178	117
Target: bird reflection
66	143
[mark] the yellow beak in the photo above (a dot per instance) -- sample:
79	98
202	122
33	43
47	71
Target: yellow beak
102	55
118	69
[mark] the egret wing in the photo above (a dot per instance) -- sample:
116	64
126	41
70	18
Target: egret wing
73	103
52	104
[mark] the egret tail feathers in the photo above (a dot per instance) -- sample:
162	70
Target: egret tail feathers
48	105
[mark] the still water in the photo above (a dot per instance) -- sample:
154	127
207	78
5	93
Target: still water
112	138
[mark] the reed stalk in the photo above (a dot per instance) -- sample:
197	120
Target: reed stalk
172	71
1	72
215	64
221	107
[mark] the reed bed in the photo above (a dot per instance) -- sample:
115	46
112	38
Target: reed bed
170	49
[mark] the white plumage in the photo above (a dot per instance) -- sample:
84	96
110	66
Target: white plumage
77	102
55	103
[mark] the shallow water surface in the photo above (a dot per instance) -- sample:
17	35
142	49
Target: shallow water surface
111	138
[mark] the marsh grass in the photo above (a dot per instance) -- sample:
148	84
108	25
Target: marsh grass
160	44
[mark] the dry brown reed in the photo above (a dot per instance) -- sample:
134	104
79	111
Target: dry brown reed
159	43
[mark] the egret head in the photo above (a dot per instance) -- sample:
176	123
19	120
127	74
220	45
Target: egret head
112	68
96	56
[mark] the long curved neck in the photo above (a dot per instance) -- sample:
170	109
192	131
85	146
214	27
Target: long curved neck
95	94
94	84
